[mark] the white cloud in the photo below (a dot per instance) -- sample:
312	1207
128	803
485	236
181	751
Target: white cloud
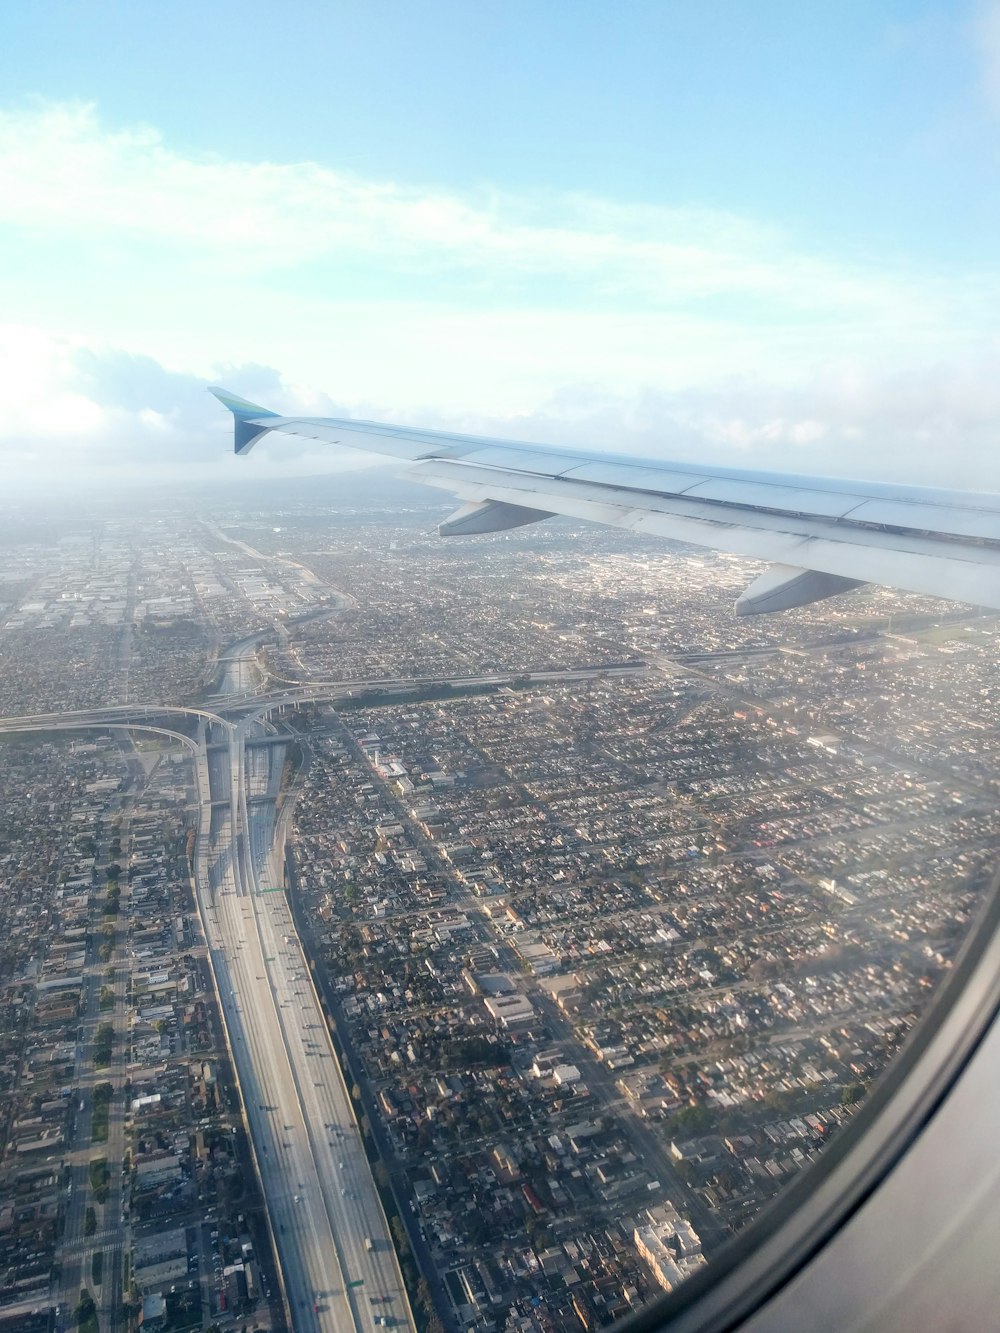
83	413
75	414
128	268
65	173
933	426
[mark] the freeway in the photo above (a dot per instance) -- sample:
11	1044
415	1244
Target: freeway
131	716
336	1260
261	701
140	716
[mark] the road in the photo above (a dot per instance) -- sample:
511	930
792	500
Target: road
336	1257
77	1247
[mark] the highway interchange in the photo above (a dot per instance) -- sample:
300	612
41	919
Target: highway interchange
337	1263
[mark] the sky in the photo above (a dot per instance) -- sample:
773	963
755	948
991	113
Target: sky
764	234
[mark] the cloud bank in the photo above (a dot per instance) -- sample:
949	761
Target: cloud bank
134	274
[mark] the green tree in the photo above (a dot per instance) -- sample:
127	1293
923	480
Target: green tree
86	1313
399	1232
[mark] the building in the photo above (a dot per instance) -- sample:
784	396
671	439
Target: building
669	1245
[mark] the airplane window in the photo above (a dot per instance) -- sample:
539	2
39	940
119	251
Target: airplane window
615	905
499	578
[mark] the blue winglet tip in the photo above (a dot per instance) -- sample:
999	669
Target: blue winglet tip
246	415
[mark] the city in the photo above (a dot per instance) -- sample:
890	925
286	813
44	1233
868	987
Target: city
446	935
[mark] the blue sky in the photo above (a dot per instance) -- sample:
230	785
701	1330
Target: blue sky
765	232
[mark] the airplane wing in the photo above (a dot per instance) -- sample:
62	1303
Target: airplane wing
820	535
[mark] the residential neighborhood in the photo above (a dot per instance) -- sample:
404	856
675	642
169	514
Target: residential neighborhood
614	905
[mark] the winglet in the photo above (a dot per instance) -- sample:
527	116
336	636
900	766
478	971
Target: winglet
249	418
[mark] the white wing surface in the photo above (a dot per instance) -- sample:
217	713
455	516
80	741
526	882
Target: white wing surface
820	535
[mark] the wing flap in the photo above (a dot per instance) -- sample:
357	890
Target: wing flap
483	516
780	588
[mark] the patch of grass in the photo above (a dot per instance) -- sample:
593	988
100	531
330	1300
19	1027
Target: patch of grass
102	1045
89	1221
99	1119
97	1267
99	1177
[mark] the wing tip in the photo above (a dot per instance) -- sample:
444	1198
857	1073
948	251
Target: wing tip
247	418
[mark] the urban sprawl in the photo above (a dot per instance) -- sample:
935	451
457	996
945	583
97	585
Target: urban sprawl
445	935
